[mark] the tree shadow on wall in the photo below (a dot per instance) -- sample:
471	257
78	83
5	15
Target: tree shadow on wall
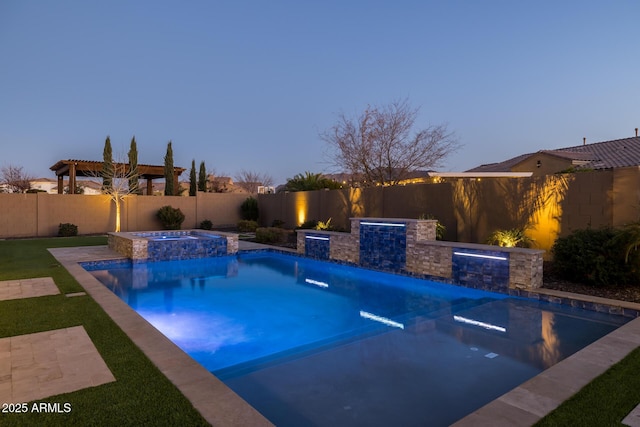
532	204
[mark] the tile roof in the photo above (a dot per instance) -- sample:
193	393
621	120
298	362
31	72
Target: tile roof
501	166
610	154
599	155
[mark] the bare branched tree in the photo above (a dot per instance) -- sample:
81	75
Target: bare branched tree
379	147
123	179
124	182
15	179
250	181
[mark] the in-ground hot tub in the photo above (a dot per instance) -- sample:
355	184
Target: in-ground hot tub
173	245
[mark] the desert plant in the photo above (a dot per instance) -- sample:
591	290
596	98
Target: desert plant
67	230
271	235
206	225
170	217
514	237
323	225
249	209
247	226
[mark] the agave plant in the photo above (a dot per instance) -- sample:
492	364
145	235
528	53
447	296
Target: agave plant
515	237
324	225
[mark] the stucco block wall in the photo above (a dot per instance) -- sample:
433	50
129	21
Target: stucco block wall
40	214
92	214
472	209
18	215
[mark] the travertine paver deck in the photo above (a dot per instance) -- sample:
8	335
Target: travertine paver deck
44	364
27	288
633	419
522	406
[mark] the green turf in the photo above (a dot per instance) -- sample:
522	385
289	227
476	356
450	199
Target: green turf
141	395
603	402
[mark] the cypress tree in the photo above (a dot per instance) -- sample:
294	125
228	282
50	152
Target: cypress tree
107	166
202	178
168	172
133	167
192	179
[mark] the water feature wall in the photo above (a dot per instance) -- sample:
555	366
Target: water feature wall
410	246
173	245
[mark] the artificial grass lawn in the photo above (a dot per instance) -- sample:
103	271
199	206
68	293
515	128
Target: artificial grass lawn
141	395
605	401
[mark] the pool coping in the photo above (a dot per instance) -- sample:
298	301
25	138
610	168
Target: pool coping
522	406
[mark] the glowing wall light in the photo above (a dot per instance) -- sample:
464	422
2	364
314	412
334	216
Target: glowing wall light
500	258
302	207
316	238
386	224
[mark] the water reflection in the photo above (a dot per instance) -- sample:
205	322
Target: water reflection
330	301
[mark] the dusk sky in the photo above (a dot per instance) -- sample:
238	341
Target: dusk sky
251	84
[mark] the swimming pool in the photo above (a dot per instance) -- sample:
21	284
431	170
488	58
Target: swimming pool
313	343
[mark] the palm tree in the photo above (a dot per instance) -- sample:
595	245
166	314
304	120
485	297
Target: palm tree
310	181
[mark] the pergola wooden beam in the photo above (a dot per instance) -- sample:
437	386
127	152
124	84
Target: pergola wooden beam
91	168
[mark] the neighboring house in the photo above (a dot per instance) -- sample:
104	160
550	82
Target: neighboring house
44	184
618	153
51	186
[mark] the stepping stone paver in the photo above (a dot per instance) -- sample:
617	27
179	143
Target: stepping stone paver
27	288
44	364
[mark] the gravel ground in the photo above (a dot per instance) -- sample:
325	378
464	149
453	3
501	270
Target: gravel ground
622	293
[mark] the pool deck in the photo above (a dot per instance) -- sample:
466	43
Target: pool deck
219	405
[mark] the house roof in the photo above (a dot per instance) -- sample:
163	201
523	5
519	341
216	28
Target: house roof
599	155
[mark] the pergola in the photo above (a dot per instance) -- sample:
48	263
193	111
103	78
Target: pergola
91	168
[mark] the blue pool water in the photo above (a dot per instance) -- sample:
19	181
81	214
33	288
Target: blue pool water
313	343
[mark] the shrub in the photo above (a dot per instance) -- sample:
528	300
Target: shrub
593	256
249	209
67	230
170	217
277	223
309	224
515	237
271	235
206	225
246	226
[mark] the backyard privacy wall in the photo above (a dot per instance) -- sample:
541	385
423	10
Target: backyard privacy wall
39	214
471	209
